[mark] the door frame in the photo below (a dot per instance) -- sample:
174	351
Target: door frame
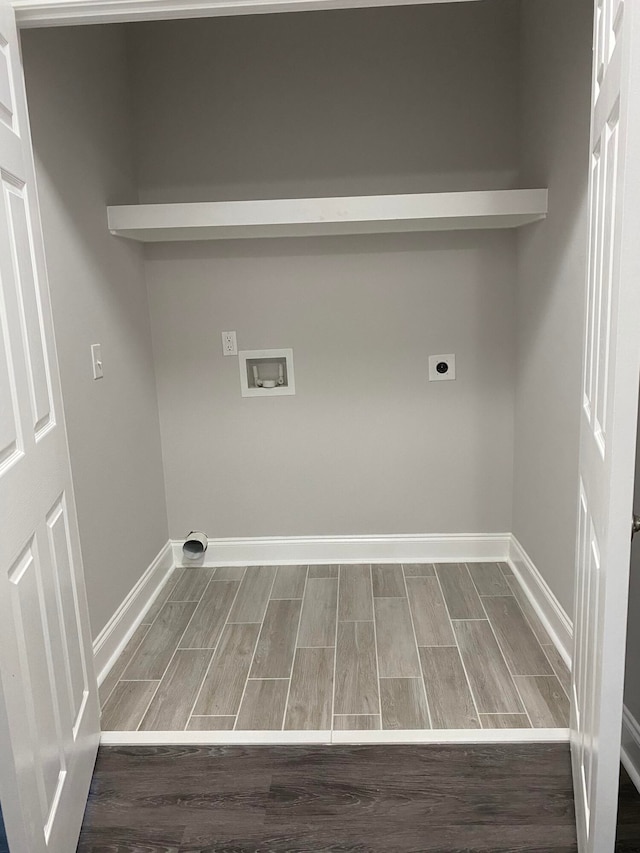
52	13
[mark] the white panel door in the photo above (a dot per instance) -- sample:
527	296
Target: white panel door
608	422
48	691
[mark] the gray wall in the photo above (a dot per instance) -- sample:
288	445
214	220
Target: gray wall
382	100
367	445
555	93
78	100
327	103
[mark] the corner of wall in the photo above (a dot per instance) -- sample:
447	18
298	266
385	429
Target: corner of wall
77	92
555	84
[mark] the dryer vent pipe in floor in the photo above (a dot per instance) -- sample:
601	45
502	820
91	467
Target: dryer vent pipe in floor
195	545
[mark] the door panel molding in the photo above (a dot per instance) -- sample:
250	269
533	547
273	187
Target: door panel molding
608	424
48	693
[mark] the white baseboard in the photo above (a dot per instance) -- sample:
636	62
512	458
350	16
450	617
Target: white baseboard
402	548
549	610
630	752
351	549
116	633
328	738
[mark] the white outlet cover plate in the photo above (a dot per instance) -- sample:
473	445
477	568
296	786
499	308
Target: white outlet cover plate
434	361
229	343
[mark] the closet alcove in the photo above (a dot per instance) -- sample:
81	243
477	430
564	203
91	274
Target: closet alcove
367	187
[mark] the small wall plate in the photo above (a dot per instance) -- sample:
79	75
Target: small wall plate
442	367
267	362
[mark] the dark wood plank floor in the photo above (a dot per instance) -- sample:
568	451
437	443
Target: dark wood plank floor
628	836
405	799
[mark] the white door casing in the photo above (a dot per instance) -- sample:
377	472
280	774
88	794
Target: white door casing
48	690
611	370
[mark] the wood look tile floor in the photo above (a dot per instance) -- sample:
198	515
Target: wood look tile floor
413	646
336	799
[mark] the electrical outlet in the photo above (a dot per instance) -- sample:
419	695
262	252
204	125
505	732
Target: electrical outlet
229	343
442	367
96	361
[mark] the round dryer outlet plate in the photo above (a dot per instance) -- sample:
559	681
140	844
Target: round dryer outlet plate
442	367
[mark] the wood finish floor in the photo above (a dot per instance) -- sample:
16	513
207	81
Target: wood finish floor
628	834
367	799
411	646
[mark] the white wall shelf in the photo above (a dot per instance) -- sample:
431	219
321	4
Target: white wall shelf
302	217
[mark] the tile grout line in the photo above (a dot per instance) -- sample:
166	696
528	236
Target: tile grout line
255	678
355	715
275	575
199	690
295	644
490	594
503	714
227	580
528	675
375	644
198	648
476	619
212	715
417	648
213	651
266	678
455	637
495	594
402	677
507	665
174	585
206	673
166	669
537	642
335	652
115	684
261	624
527	619
295	598
555	671
378	597
195	608
246	681
155	618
